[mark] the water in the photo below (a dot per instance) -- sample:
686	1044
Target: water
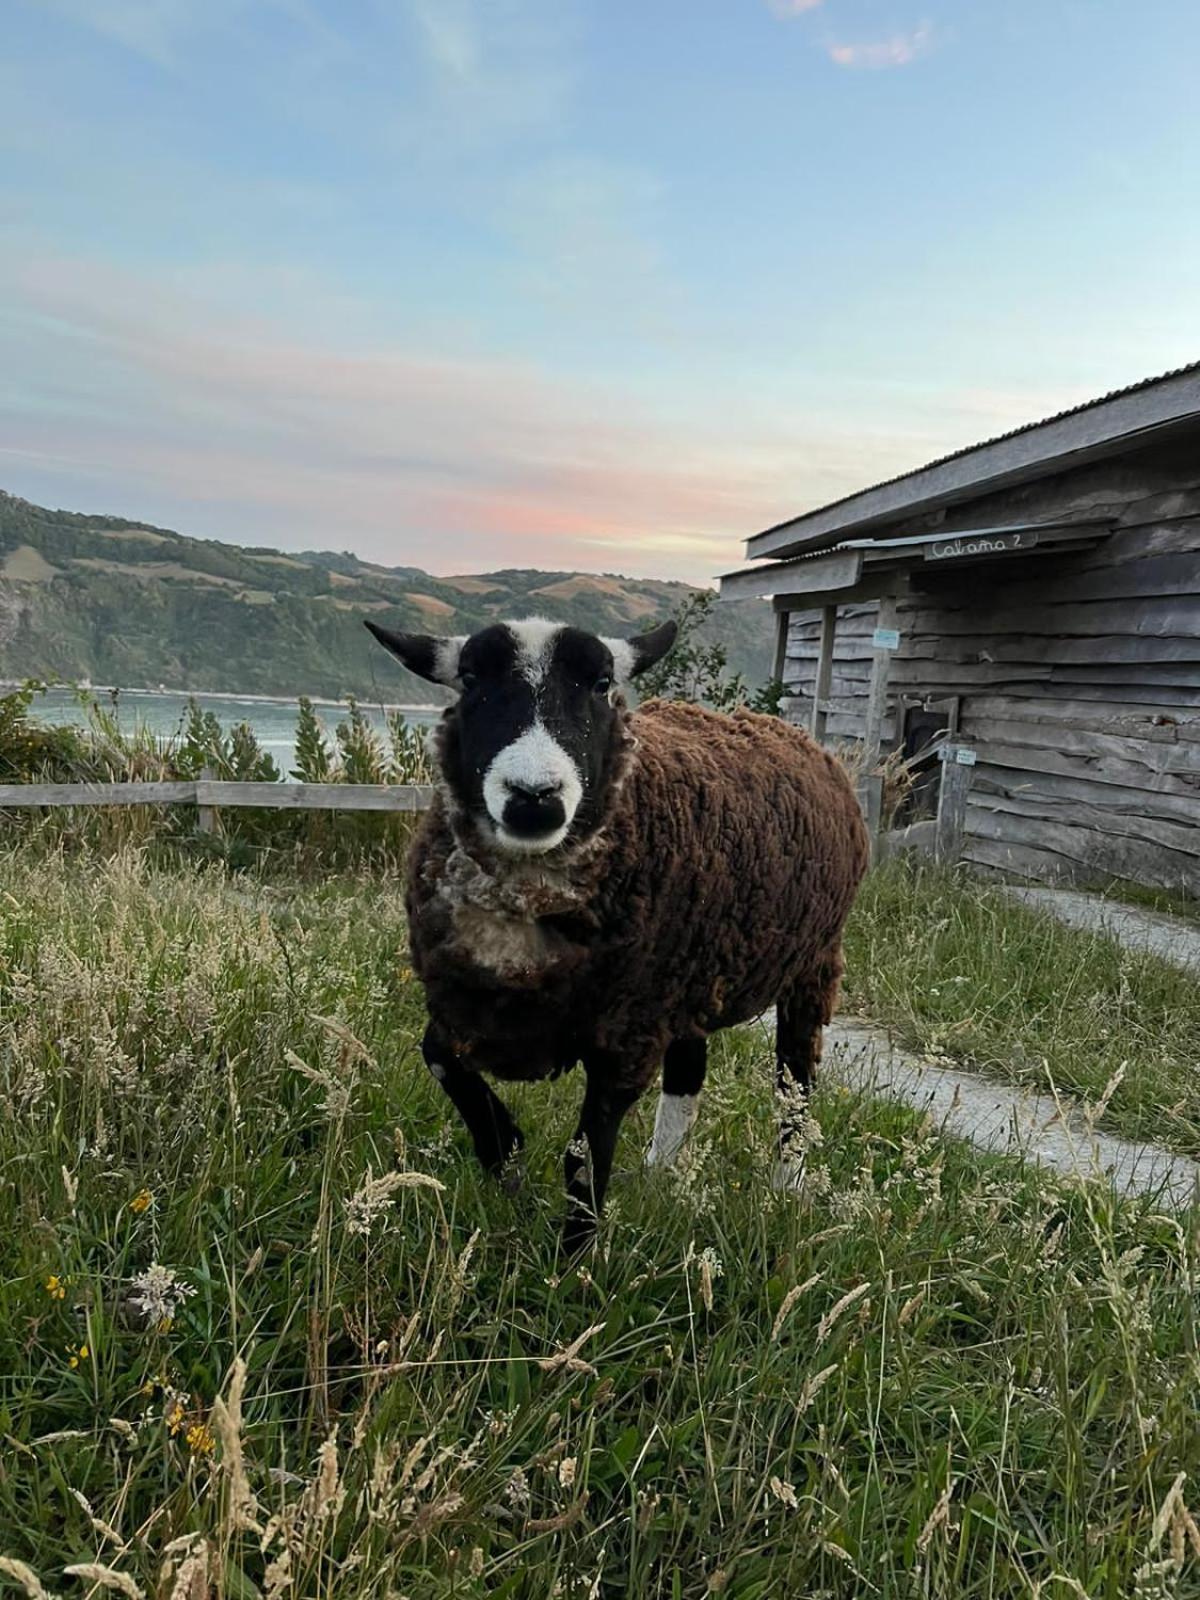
273	722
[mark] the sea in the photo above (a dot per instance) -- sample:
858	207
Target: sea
273	721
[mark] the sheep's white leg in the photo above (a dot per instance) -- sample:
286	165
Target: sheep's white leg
672	1123
683	1078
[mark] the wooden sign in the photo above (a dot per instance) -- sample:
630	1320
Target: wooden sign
979	544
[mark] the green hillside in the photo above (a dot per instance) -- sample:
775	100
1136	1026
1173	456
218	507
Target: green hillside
124	603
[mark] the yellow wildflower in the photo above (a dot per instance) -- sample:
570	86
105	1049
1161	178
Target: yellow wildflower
142	1201
55	1287
174	1417
200	1439
74	1356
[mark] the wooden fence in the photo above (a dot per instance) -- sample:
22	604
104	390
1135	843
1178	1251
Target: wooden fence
211	794
941	836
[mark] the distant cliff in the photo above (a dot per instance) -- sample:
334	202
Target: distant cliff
124	603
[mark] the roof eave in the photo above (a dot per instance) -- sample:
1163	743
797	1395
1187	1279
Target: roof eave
1034	452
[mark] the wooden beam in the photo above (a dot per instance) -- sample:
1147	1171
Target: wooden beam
779	659
317	796
837	571
208	793
824	679
881	669
96	794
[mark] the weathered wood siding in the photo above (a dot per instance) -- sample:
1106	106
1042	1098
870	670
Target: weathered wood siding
1079	685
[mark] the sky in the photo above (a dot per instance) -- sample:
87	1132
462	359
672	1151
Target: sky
604	285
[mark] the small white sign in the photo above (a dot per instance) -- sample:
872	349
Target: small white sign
886	638
964	756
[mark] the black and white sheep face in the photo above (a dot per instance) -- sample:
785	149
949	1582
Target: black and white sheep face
528	750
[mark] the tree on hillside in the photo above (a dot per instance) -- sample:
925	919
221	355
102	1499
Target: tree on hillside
699	672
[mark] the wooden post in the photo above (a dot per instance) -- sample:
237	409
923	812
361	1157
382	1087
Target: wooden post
207	817
881	670
958	769
824	679
870	787
779	665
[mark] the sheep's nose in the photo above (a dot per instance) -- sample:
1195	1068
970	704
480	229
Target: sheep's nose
541	792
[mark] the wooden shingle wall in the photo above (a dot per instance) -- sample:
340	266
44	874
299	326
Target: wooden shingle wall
1079	685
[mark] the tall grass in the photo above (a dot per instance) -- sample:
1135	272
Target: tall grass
362	1370
959	969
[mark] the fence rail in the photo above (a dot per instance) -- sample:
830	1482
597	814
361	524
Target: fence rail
213	792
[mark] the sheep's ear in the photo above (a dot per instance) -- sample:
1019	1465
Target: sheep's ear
645	649
435	660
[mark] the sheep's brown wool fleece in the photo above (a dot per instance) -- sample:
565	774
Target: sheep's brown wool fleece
716	884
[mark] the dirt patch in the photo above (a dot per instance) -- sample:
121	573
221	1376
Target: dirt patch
148	571
585	583
640	605
430	604
27	565
582	583
471	585
281	561
142	534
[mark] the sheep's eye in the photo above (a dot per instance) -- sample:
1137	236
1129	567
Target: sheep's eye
602	686
468	679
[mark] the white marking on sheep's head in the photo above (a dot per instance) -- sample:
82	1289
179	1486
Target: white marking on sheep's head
530	747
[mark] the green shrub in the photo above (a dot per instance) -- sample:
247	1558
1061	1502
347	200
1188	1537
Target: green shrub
100	748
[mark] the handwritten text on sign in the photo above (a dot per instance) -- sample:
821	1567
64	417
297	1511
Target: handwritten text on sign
979	544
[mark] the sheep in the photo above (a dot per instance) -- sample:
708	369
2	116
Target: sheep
599	885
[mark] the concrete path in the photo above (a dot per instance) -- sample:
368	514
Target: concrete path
1000	1118
1169	937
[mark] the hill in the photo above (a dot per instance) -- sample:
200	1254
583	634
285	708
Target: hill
125	603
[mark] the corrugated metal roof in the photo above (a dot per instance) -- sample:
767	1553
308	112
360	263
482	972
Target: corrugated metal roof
999	438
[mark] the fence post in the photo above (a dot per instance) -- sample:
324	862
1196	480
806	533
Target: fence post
958	769
870	800
207	817
824	679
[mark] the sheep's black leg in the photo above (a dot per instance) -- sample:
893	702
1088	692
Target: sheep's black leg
589	1158
494	1134
799	1019
683	1078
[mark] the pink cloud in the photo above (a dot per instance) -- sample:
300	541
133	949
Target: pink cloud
152	400
792	8
878	54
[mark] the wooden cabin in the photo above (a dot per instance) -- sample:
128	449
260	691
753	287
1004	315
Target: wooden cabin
1020	622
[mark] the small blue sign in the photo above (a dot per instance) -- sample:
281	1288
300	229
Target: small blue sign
886	638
